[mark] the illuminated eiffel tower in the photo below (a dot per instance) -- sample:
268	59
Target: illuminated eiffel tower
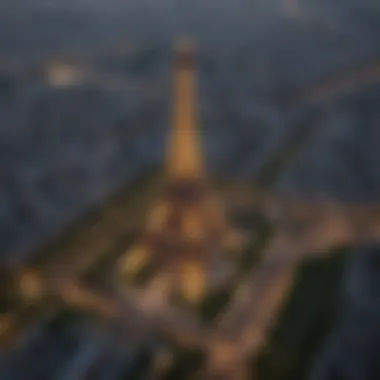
185	228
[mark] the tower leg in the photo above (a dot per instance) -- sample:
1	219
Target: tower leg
192	281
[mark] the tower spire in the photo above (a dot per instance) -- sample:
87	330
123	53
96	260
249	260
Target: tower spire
184	158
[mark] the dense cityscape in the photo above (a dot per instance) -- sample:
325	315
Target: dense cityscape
84	100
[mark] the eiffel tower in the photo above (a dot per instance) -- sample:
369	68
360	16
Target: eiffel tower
185	227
